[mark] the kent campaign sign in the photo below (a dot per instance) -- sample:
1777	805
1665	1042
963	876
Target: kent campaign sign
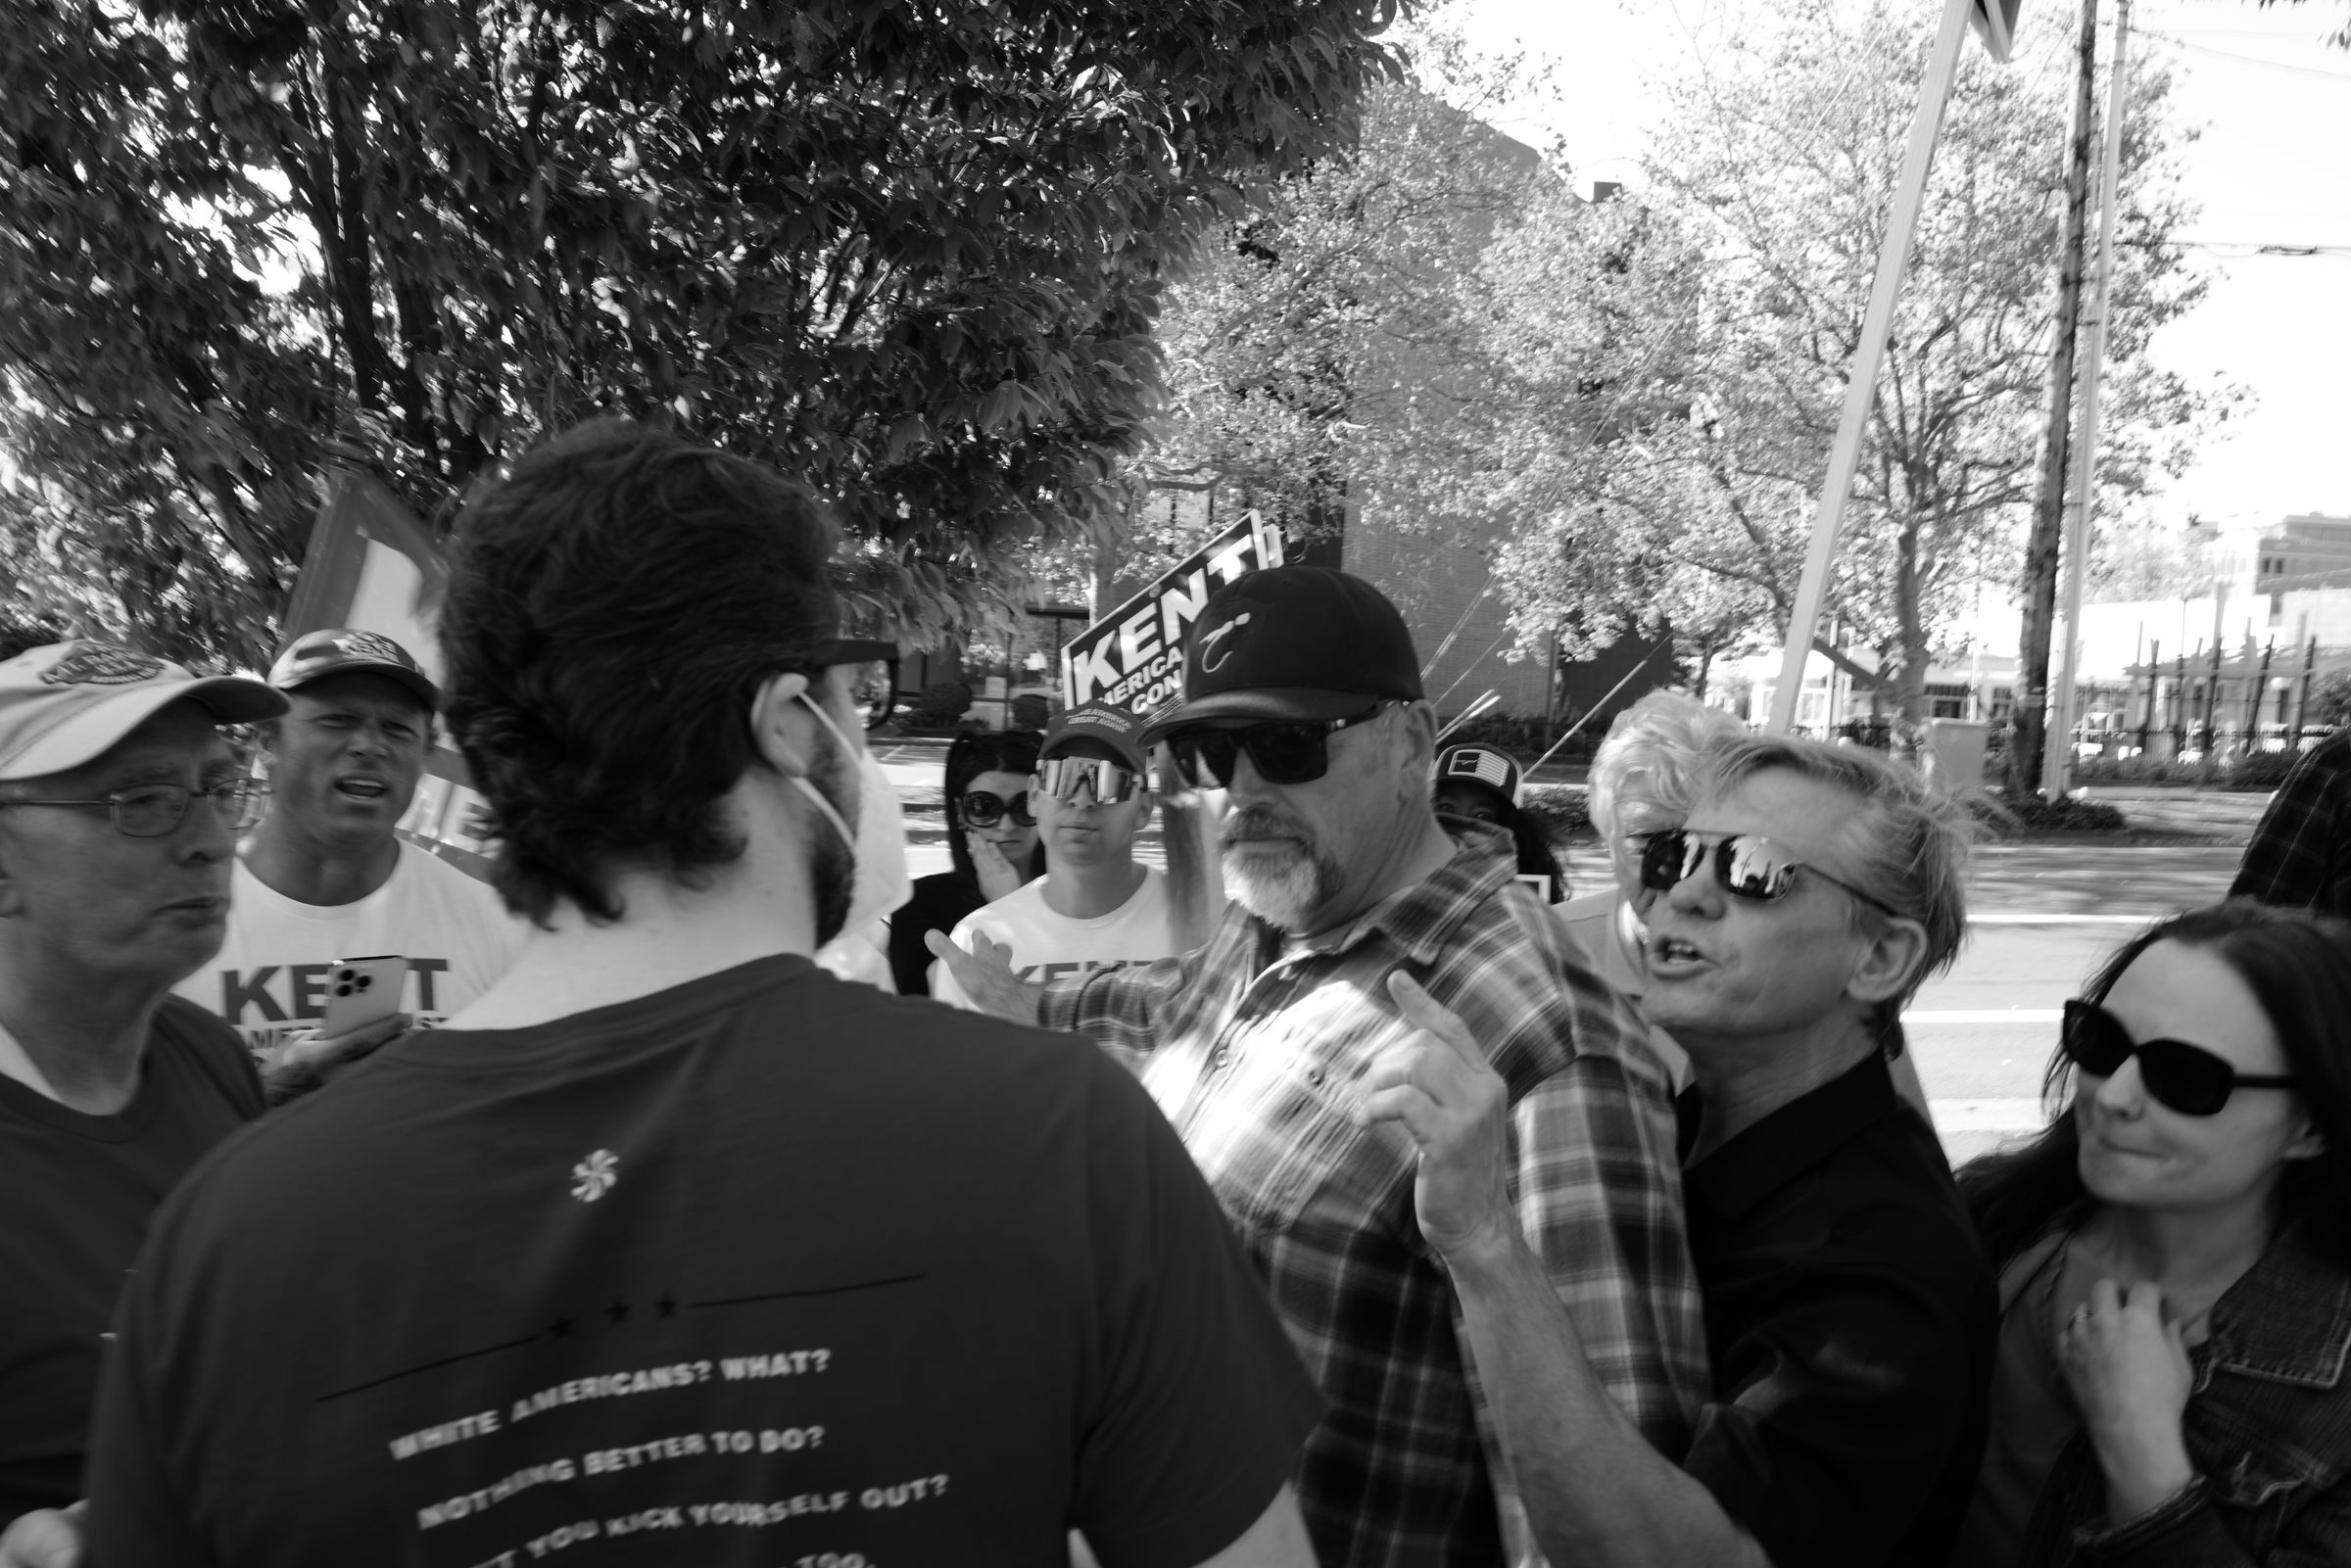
1134	658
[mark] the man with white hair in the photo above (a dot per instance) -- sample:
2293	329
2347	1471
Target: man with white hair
1303	701
1849	1312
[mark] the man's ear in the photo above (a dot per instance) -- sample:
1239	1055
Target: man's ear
1418	722
1890	957
781	725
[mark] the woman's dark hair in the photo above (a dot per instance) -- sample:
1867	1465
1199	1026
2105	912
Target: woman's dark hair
2298	965
616	601
988	751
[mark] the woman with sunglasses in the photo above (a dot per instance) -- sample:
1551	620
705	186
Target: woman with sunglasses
2176	1262
992	839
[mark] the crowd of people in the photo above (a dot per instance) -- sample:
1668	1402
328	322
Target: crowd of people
1415	1214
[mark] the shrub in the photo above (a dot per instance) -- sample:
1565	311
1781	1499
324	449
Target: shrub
2038	814
1559	810
2261	770
942	703
1028	711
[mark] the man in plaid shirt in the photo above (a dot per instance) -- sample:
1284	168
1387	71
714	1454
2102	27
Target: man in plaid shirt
1303	699
2301	853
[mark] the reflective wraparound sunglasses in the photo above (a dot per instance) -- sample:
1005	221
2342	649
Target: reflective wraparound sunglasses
2191	1079
983	808
152	811
1748	865
1284	751
1107	782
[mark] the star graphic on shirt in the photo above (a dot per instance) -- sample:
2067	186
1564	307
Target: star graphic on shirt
596	1175
559	1329
618	1311
668	1304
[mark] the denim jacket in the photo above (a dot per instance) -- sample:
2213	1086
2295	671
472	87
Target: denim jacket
2268	1429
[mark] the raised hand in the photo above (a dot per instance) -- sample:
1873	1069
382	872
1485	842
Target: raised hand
997	876
2131	1375
985	975
1439	1085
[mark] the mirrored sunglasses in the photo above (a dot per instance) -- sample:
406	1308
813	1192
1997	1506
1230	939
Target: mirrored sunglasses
983	808
1747	865
1107	782
2191	1079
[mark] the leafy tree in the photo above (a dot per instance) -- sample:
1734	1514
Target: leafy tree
1730	325
1336	348
912	251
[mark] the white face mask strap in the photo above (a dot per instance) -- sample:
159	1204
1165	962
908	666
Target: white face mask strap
815	796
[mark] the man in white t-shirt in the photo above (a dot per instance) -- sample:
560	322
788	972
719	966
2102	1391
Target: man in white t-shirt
324	878
1094	908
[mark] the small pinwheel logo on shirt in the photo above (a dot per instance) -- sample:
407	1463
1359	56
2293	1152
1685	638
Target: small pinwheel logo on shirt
594	1176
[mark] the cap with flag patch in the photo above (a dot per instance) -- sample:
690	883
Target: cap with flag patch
66	703
345	650
1465	763
1293	643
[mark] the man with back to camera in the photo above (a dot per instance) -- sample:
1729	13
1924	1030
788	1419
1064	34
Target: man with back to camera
120	801
325	877
1095	907
1850	1310
671	1242
1302	699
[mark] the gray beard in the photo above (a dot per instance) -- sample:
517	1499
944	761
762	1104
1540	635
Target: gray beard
1281	883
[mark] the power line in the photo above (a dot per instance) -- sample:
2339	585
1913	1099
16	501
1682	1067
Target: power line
2247	60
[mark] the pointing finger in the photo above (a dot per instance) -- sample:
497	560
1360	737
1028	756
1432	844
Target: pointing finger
1423	1011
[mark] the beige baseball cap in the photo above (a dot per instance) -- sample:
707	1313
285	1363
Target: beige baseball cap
64	704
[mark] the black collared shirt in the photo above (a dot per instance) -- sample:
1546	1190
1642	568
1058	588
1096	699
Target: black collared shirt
1849	1317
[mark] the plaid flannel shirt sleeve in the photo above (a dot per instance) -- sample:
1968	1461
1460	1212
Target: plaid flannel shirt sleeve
2301	853
1117	1008
1599	1199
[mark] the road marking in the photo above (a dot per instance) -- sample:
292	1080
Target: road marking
2062	920
1987	1116
1983	1015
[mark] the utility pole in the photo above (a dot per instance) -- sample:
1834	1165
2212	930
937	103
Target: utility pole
2056	765
2028	718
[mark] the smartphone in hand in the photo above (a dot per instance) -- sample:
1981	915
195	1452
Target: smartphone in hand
361	991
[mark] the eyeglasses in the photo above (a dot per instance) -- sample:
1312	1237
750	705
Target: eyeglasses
2191	1080
1106	782
981	809
151	811
1287	752
870	675
1749	866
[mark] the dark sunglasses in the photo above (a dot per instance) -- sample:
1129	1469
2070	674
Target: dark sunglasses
1749	866
2191	1080
1286	751
981	809
1107	782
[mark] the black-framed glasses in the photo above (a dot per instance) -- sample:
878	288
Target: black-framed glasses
2191	1079
1106	782
151	811
1749	866
983	808
1284	751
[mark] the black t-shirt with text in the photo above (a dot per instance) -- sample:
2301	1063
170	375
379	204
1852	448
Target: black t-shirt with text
767	1269
78	1191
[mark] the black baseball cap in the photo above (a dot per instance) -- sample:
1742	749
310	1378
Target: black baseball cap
1293	643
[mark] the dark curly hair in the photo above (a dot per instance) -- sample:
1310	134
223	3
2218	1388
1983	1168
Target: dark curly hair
2298	967
616	601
